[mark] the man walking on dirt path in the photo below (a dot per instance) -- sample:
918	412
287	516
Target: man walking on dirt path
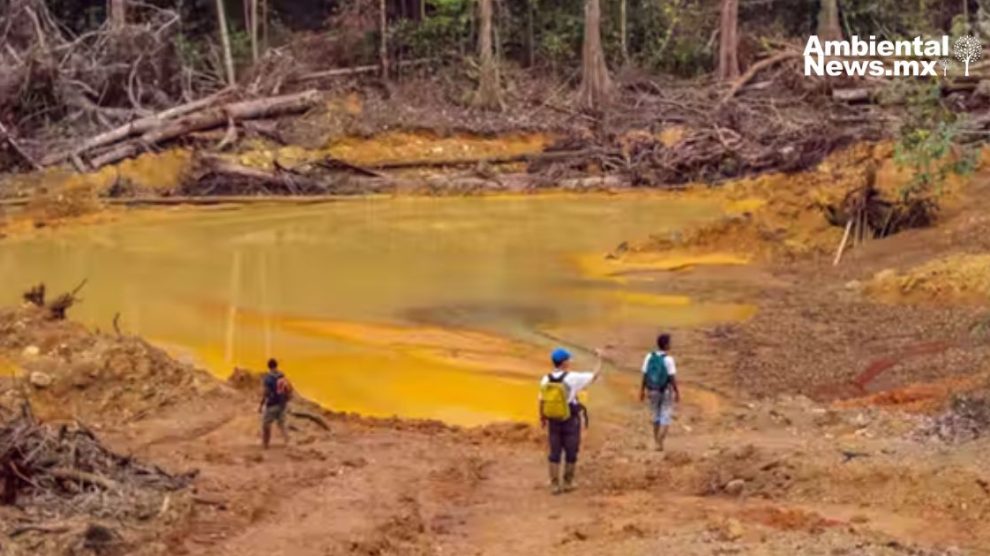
275	396
660	386
560	414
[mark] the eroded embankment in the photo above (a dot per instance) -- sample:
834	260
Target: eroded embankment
897	313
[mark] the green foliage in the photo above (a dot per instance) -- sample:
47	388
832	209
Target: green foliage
928	143
561	32
892	19
190	52
666	36
446	30
663	34
240	46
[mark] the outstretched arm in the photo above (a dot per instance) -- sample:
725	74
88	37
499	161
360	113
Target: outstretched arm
598	364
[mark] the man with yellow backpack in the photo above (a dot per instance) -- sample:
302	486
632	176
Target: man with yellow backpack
560	414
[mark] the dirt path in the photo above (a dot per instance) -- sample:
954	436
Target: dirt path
380	489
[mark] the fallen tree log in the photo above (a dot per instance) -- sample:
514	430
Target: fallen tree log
358	70
135	127
852	95
291	180
57	527
85	477
210	118
516	182
529	157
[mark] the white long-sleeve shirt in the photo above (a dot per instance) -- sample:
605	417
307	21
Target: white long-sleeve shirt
575	382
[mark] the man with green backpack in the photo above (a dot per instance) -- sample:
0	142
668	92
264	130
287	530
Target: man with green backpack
560	414
660	385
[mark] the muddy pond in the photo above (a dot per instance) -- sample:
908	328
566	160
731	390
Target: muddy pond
416	307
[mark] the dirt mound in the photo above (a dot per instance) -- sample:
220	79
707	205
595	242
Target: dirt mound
72	372
955	278
749	471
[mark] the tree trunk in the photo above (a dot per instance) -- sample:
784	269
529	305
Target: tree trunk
829	27
264	25
596	85
118	13
228	57
530	34
624	30
254	31
488	95
728	55
383	41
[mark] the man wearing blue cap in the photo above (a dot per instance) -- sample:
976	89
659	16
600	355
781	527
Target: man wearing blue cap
560	414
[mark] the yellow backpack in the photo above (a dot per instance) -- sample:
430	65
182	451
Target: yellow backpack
553	398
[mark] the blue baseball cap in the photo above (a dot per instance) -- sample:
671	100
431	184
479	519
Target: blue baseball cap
559	355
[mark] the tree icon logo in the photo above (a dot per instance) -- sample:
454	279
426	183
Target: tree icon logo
946	64
968	49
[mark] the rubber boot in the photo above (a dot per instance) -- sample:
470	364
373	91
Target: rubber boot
555	478
569	469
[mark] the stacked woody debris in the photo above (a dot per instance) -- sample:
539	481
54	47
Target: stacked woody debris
71	488
64	470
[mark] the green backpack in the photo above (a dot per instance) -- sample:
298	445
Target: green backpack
657	375
553	399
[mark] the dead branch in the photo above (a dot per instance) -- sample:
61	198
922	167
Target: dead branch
6	136
62	303
310	417
345	72
474	161
57	527
36	295
84	477
218	166
331	163
755	69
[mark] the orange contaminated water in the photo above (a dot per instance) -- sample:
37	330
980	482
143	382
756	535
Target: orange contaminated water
417	307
